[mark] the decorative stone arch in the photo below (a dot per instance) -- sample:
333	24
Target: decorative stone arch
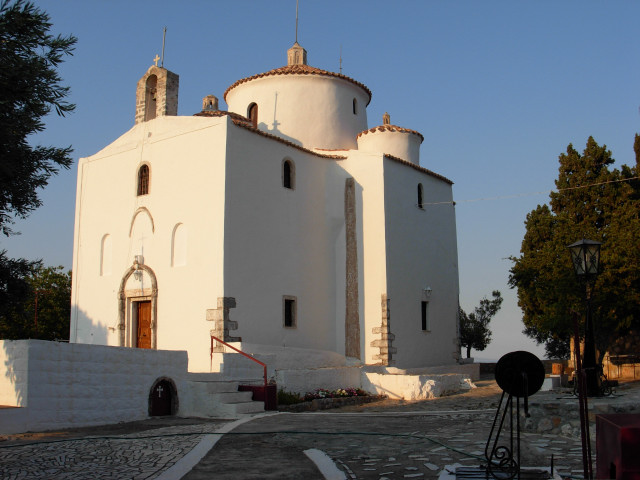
135	214
163	398
124	295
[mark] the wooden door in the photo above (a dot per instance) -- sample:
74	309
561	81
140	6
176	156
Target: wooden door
143	337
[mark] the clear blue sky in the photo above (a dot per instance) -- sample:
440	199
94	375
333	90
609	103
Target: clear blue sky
497	88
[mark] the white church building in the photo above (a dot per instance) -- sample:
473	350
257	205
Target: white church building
282	224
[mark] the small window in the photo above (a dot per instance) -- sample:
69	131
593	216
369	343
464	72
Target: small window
420	196
425	316
355	106
252	114
143	180
288	174
289	313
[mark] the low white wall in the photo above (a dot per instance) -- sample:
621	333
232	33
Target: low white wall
414	387
72	385
471	370
303	381
13	373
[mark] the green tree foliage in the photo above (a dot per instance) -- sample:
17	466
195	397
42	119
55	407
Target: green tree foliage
35	301
474	327
595	201
14	292
29	89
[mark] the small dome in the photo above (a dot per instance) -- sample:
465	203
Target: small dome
393	140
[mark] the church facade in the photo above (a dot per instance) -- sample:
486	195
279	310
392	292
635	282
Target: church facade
283	221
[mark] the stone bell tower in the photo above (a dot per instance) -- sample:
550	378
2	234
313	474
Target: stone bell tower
156	94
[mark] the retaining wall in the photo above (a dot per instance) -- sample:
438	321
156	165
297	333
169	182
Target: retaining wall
66	385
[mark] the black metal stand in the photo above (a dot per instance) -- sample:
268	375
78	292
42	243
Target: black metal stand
501	463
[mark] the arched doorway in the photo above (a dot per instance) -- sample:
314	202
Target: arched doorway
163	398
137	310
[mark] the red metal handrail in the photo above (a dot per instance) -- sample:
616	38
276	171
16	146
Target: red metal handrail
264	365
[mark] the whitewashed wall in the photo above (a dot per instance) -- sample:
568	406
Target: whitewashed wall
421	251
186	157
72	385
280	241
367	170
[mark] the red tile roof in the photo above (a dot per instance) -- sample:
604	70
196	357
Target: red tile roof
298	70
222	113
418	167
391	128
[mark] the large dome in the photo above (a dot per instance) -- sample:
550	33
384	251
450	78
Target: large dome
306	105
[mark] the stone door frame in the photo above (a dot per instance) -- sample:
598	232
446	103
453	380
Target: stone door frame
126	297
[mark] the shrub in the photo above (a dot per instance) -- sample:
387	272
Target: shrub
288	398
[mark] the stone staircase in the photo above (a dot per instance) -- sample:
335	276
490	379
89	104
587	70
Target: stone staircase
211	395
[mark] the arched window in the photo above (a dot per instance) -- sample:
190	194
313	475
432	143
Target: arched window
288	174
252	114
143	180
420	196
355	106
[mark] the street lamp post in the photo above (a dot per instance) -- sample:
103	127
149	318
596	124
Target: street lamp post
585	256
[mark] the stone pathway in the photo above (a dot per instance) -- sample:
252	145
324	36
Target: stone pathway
139	455
383	440
377	446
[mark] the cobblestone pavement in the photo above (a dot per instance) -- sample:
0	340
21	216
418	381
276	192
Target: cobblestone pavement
385	440
374	447
382	440
116	453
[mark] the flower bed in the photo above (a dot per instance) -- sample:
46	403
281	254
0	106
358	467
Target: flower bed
321	393
322	399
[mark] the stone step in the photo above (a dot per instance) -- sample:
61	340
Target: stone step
235	409
231	397
217	387
213	397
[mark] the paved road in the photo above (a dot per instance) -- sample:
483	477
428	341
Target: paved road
381	440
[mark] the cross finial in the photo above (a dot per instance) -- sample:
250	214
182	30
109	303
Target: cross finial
156	58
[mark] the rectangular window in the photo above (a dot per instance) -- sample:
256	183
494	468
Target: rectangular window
425	316
289	311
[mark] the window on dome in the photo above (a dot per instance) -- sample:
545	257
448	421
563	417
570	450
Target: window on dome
355	106
289	311
288	174
252	114
420	197
143	180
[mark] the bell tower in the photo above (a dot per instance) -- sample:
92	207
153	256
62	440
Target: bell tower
156	94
